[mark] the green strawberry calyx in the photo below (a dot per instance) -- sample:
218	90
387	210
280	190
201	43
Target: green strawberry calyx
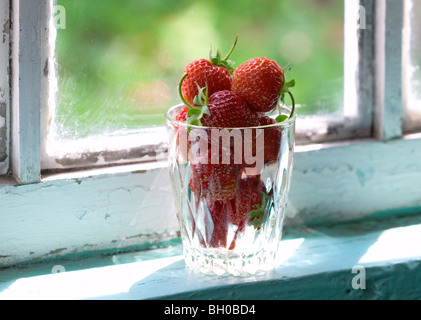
223	62
257	215
286	90
194	114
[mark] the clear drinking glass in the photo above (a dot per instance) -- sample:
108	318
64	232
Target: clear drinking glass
230	189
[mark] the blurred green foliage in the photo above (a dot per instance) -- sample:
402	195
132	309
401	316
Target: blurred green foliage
119	62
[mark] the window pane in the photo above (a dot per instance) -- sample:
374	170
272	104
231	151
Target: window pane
119	62
412	60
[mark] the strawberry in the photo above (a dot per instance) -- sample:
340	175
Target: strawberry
219	226
247	198
215	74
181	115
273	136
227	110
214	181
259	81
203	73
247	207
180	134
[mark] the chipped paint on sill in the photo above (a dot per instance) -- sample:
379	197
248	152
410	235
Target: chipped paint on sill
57	250
6	30
105	149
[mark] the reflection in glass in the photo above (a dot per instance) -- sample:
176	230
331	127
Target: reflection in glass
412	70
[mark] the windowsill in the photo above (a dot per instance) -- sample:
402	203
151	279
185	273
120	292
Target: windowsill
124	169
316	263
118	208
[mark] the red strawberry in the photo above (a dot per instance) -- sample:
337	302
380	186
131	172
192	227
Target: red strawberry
215	74
248	197
214	181
259	81
181	115
273	136
219	226
203	73
180	134
227	110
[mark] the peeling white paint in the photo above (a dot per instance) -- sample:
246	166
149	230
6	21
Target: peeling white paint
81	213
128	206
106	211
4	86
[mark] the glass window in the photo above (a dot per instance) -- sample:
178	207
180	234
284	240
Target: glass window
119	62
412	69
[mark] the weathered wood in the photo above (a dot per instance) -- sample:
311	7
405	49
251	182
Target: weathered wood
94	213
389	102
26	88
111	210
366	80
355	180
4	86
364	261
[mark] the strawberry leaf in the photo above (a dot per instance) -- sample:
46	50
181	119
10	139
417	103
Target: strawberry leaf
218	54
197	101
195	114
194	111
205	110
285	90
281	118
287	69
230	62
223	62
202	97
214	61
194	120
258	214
201	100
290	84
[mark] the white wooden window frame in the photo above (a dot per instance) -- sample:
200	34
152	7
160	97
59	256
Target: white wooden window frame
43	216
4	87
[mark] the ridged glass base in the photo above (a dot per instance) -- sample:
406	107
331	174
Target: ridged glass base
224	262
221	261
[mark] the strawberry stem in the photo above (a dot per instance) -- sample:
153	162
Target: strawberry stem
281	117
223	62
286	89
232	48
195	114
293	104
181	93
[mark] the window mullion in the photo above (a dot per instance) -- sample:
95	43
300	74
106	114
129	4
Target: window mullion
4	86
366	69
26	88
388	109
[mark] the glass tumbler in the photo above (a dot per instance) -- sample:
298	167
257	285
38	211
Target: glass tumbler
230	188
